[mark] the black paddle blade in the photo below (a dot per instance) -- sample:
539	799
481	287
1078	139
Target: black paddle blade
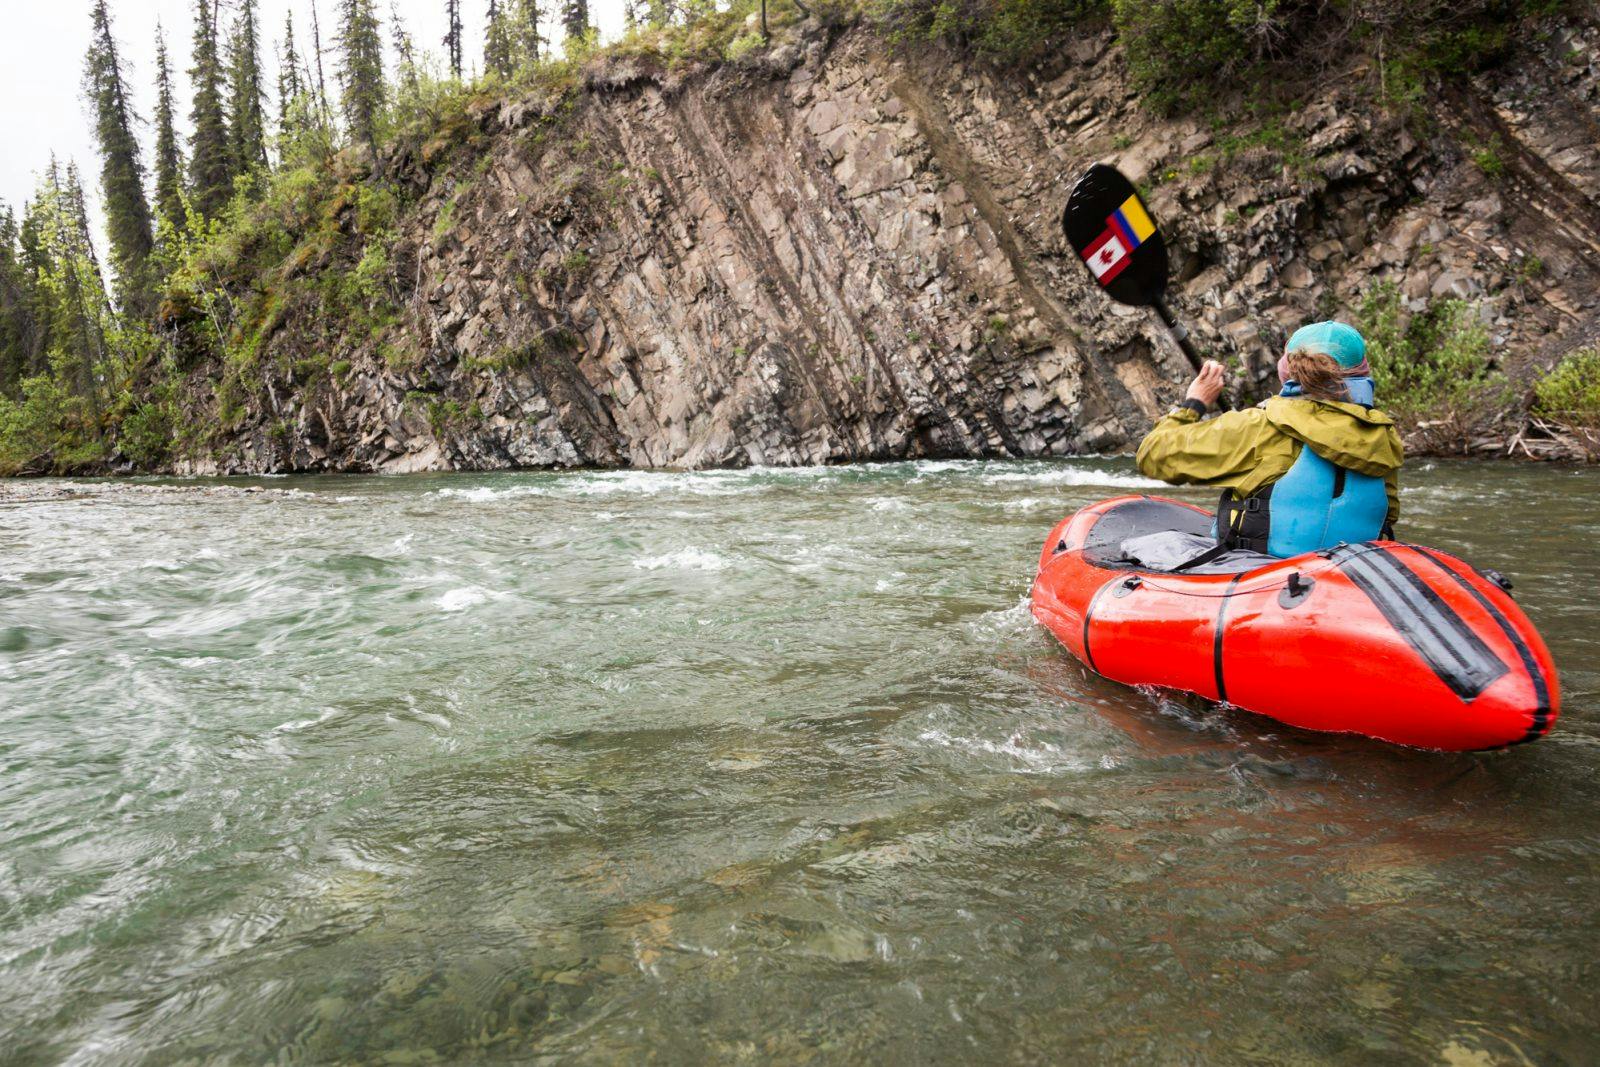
1108	226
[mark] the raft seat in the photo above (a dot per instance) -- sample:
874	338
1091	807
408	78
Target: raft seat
1160	536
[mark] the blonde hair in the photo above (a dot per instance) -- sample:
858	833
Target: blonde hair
1319	376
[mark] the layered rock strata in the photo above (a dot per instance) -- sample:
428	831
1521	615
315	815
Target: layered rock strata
837	252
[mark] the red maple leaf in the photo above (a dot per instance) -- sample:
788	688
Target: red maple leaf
1106	256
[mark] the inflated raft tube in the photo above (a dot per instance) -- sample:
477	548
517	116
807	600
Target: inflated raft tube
1392	641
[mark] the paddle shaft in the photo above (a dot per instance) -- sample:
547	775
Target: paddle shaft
1180	337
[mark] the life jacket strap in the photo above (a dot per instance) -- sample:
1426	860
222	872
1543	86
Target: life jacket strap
1244	524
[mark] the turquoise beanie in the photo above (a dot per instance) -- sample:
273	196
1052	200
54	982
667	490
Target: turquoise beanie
1335	339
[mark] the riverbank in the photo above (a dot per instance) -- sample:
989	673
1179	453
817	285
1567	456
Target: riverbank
842	245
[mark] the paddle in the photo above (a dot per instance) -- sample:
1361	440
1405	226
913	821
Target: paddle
1107	225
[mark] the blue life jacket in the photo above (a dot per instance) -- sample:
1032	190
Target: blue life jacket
1315	505
1319	504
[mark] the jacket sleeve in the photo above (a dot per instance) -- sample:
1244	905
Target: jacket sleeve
1392	483
1184	450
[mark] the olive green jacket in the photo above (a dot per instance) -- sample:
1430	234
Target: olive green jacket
1248	450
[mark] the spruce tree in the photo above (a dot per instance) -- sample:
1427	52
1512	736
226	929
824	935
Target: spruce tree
89	307
452	35
575	19
18	330
121	170
34	257
321	82
660	12
400	37
361	69
210	158
72	289
169	160
290	87
497	41
527	41
247	115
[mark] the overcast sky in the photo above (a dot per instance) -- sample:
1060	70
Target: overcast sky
41	67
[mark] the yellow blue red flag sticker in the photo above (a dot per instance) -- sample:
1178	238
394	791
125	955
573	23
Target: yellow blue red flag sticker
1126	229
1131	222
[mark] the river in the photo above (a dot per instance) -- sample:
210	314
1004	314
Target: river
755	766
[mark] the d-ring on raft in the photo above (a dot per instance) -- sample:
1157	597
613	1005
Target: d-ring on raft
1388	640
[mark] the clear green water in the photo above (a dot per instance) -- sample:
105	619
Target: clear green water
755	766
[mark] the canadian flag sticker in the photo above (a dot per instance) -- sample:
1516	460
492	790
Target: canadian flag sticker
1106	256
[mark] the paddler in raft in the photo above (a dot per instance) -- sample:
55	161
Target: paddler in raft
1306	470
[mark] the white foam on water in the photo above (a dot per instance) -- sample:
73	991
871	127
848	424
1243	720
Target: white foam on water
483	494
1017	619
1071	476
402	545
723	482
730	482
687	559
1037	756
884	585
296	725
461	599
429	717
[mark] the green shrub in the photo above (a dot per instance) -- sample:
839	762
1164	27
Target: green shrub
446	220
1184	52
1569	396
1004	30
1487	157
1572	389
48	430
1432	368
742	46
575	265
371	277
376	209
147	432
1181	50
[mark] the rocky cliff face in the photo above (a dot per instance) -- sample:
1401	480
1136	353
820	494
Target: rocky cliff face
836	252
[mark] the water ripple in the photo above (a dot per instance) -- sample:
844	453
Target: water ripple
500	768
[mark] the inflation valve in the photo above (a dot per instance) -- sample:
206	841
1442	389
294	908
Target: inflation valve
1295	591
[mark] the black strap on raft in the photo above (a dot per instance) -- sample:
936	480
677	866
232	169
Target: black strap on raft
1215	551
1244	523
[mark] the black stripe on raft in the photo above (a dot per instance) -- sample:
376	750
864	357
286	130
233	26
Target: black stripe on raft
1476	656
1430	626
1216	639
1088	613
1541	689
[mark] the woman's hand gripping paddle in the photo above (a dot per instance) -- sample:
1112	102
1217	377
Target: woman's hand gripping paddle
1108	226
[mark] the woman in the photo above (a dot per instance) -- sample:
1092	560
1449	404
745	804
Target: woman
1306	470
